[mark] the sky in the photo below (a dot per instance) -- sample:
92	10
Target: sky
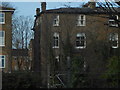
29	8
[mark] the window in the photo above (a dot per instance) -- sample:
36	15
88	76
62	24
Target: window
114	40
56	40
2	61
80	40
57	63
56	20
113	22
2	18
2	38
81	20
57	58
85	66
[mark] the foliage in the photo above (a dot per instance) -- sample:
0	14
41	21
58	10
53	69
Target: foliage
79	79
112	72
20	80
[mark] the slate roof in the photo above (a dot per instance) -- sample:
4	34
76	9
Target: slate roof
85	10
8	9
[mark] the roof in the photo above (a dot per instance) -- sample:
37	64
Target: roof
84	10
6	9
19	52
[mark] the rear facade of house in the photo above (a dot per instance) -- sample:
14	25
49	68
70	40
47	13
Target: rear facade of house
68	32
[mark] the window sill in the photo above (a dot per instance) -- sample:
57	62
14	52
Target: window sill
114	47
113	25
2	22
2	45
55	25
55	47
80	47
2	67
80	25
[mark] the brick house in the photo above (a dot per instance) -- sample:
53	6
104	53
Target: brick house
5	38
63	33
20	60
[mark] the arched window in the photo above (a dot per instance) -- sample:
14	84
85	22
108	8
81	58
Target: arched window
56	40
80	40
113	37
56	20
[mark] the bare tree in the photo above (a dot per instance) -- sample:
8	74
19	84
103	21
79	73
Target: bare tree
6	4
111	8
21	36
22	32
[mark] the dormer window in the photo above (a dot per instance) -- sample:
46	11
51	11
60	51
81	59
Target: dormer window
80	40
113	21
114	40
2	18
56	20
81	20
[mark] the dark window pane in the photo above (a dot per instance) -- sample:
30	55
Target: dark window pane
81	17
82	22
114	43
2	62
82	43
77	43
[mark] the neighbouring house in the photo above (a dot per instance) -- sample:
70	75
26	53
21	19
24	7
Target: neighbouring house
63	33
20	60
6	38
31	52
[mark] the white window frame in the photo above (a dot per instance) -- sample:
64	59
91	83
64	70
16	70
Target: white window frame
111	38
3	38
79	19
112	20
3	18
80	35
55	40
56	21
1	61
57	58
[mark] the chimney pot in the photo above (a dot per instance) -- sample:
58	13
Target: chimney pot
37	11
92	4
43	6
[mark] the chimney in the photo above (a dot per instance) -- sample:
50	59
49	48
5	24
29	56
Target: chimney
43	6
37	11
92	4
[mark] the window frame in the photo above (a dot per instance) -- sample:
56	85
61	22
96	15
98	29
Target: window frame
55	40
80	35
2	17
112	39
112	20
1	61
3	38
79	19
57	59
57	20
